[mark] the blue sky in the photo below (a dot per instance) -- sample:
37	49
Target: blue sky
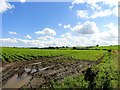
59	23
30	17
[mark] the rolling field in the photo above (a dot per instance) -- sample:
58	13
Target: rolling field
58	68
16	54
114	47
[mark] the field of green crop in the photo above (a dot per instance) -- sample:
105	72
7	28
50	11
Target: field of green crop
16	54
105	75
114	47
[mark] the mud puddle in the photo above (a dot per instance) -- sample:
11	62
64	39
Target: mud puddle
16	82
40	72
33	70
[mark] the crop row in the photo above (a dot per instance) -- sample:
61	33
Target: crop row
15	54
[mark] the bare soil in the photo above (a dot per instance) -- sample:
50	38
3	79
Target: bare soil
47	69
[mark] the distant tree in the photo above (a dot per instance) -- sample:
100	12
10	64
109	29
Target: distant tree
67	47
97	45
74	48
63	46
51	47
57	47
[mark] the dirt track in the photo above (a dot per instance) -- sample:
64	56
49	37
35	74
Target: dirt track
45	70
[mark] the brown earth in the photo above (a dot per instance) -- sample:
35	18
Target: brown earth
47	69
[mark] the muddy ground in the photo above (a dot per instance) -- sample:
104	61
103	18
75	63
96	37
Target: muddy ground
39	72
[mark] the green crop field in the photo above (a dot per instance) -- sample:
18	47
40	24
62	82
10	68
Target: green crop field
101	73
15	54
114	47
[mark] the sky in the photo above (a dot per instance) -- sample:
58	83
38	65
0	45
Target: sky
43	24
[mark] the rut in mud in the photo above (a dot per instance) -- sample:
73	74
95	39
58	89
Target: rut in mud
41	71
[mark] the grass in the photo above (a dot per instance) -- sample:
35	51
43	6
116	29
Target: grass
106	78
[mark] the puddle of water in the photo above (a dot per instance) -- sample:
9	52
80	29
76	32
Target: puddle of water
32	70
27	70
16	82
35	63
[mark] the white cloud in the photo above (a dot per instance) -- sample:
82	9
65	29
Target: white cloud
70	7
111	3
43	38
112	30
94	4
66	35
60	24
47	31
28	36
22	1
97	8
78	1
115	11
11	40
67	26
5	6
12	33
87	27
107	37
73	40
103	13
82	13
46	37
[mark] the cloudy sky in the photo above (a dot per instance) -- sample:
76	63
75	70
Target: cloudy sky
74	23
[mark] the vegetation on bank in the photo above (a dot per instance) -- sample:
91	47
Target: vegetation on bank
104	75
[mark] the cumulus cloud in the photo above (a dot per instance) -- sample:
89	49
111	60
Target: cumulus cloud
94	4
12	33
28	36
107	37
4	5
103	13
67	26
111	3
22	1
96	14
60	24
115	11
112	30
11	40
87	27
47	31
46	37
66	35
82	13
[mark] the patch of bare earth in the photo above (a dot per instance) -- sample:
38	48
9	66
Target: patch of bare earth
43	70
